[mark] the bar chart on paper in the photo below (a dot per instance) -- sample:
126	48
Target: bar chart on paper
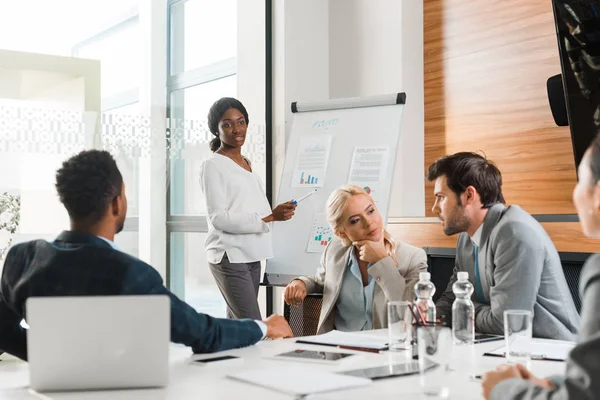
308	179
320	234
311	161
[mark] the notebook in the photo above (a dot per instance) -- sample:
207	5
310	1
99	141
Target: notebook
541	349
298	381
348	339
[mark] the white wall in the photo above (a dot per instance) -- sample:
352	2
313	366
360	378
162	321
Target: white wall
301	63
376	47
365	40
300	71
354	48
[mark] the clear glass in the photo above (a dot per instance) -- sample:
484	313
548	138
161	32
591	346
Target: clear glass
435	354
517	335
190	140
189	269
119	128
128	242
195	25
424	290
399	325
463	313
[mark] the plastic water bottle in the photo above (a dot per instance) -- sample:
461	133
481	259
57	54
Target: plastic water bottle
463	311
425	289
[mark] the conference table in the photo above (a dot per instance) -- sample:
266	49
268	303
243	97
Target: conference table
189	380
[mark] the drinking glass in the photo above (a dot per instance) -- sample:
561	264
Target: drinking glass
399	325
517	335
435	350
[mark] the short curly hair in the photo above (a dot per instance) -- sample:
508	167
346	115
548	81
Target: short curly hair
87	183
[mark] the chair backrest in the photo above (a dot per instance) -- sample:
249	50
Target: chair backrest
572	264
441	264
304	319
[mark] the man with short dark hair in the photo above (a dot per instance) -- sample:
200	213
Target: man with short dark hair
85	262
510	259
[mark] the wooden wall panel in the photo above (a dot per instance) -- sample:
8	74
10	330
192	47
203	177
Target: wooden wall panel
567	236
486	66
422	235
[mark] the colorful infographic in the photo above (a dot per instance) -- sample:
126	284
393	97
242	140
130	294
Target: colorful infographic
311	161
320	234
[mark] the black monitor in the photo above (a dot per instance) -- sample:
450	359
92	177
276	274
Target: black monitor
578	34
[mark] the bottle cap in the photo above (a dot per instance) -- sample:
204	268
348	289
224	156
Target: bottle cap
463	276
424	276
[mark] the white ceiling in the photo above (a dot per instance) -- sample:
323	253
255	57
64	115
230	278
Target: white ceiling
54	26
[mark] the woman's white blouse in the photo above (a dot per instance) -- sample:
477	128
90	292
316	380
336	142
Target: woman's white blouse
236	204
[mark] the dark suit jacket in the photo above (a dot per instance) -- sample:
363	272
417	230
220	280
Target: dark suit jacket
78	264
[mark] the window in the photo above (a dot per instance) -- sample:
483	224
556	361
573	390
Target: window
203	33
193	138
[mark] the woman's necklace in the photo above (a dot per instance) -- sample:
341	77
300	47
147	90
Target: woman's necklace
241	161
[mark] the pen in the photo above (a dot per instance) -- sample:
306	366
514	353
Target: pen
305	196
476	377
538	357
423	320
368	350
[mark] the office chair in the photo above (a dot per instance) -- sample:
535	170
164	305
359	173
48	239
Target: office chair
304	319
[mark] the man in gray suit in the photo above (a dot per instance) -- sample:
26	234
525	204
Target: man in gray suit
511	261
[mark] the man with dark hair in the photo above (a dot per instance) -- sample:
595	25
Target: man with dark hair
85	262
510	259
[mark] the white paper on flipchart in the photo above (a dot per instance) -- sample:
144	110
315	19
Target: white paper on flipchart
312	159
299	381
368	170
553	349
339	338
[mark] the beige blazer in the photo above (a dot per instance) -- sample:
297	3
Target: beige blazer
393	281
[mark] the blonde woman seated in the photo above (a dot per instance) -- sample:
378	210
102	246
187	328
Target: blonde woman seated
361	270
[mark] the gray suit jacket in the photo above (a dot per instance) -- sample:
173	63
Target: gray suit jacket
393	281
583	365
519	269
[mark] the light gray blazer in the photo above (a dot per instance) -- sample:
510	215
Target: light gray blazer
393	281
519	269
583	365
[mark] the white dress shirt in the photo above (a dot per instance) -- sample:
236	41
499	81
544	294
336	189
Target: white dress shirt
476	238
236	204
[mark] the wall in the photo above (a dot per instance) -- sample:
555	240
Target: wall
486	65
300	72
352	48
486	69
377	48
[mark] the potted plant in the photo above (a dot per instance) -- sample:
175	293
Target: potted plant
10	207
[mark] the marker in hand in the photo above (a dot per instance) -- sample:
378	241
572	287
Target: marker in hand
305	196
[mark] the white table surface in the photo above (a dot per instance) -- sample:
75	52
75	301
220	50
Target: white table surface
193	381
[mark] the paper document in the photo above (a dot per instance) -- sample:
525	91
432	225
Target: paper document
542	349
368	170
311	161
320	234
299	381
350	339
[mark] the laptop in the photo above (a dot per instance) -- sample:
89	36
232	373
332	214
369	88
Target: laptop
101	342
